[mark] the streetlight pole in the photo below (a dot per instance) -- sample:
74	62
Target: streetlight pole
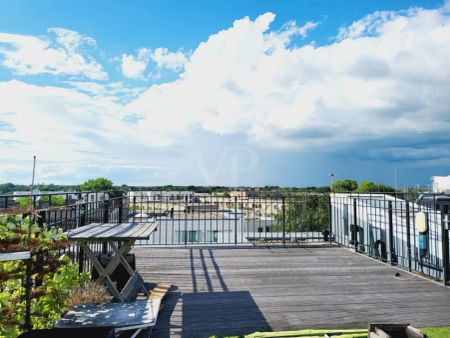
331	180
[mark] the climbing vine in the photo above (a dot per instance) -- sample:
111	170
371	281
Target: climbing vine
52	274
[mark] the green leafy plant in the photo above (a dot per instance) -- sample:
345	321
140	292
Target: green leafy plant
51	272
97	184
56	201
309	213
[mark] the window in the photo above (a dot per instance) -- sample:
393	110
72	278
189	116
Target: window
215	236
193	236
190	236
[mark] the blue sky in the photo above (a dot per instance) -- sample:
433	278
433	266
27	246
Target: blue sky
225	92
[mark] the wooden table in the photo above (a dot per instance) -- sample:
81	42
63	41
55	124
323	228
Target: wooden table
112	233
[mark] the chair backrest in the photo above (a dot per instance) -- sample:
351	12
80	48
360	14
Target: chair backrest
131	290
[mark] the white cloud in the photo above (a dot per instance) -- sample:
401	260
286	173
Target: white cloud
387	74
384	80
65	125
170	60
114	91
134	66
30	55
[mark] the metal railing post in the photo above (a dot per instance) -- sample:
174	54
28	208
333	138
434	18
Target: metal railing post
408	236
82	213
330	219
105	220
391	234
120	215
355	226
445	247
235	220
283	221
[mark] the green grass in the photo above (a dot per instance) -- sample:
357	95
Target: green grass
437	332
432	332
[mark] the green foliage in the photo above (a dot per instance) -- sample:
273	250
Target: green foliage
56	200
10	187
7	188
344	186
437	332
97	184
369	186
364	186
310	213
52	275
25	202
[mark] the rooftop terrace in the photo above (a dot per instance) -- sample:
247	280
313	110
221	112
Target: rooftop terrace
222	291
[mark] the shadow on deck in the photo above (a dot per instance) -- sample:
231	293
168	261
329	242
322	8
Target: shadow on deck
222	291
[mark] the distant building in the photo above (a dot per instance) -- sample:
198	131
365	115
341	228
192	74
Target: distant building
440	184
94	197
245	193
155	196
19	194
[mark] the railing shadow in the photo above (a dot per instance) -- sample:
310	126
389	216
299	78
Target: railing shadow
222	314
219	313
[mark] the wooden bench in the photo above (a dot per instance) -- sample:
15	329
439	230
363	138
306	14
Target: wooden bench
139	316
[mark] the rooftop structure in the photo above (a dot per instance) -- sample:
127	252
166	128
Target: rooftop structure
440	184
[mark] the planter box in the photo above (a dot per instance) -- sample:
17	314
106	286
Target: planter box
394	331
14	256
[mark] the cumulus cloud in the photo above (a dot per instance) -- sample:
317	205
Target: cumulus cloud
134	67
30	55
382	84
385	74
170	60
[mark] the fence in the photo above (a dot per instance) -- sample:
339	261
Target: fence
385	227
187	218
204	219
68	211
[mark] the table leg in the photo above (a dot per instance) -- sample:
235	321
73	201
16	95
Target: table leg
97	265
116	259
125	262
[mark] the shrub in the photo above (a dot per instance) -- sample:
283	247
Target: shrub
52	275
88	293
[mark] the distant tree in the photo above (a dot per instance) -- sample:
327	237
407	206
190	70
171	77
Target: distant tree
24	202
369	186
97	184
56	200
310	213
344	185
7	188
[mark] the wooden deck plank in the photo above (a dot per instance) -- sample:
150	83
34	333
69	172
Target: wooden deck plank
221	291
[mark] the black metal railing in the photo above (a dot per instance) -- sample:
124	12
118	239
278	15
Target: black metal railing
67	211
187	218
230	219
381	225
385	226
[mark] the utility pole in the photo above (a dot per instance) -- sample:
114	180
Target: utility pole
332	175
395	178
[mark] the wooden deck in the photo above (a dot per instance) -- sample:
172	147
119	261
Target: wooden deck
237	291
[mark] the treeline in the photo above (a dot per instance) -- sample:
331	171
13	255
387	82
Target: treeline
103	184
363	186
7	188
